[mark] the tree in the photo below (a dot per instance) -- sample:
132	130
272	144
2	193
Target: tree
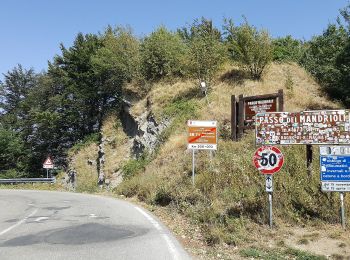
14	90
120	55
320	59
13	154
163	54
250	47
81	89
287	49
207	51
13	93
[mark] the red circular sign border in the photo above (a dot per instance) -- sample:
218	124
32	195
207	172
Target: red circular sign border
256	161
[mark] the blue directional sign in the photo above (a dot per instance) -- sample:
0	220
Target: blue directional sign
335	168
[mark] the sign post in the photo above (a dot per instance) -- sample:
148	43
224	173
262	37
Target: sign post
335	173
342	210
269	189
202	135
193	163
268	160
48	164
270	210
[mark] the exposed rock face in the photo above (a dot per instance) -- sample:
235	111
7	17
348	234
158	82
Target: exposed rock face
130	125
147	137
144	130
101	162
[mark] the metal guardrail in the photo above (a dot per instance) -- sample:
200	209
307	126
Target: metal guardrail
27	180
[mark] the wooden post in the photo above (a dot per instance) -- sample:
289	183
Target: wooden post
309	159
280	100
240	116
233	119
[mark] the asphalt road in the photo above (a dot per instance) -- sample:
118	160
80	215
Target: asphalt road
58	225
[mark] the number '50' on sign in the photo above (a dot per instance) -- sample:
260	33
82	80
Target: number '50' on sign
268	159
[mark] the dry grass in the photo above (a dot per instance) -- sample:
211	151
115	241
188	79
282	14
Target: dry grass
305	93
221	202
86	173
163	93
117	147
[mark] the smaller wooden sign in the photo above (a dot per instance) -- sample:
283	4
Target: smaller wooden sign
244	111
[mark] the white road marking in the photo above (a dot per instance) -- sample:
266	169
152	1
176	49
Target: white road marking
167	239
18	223
40	218
92	216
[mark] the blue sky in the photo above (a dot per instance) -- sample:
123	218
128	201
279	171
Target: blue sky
31	30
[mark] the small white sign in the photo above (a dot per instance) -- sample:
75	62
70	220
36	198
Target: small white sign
335	186
202	123
269	186
335	150
202	146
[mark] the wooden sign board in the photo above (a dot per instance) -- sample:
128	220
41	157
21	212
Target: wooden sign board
244	111
202	135
308	127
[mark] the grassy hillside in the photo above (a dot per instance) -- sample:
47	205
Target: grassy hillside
228	202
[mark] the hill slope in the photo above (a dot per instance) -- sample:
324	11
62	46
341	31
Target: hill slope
227	206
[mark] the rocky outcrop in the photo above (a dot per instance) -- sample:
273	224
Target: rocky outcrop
144	130
147	138
101	161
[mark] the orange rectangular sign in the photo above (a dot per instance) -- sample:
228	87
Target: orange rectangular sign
202	135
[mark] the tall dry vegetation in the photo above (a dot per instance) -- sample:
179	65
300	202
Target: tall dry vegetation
229	198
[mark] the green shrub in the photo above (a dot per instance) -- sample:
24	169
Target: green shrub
273	254
207	51
163	54
250	47
119	58
134	166
13	155
287	49
11	174
163	196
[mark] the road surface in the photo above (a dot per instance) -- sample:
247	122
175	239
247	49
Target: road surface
60	225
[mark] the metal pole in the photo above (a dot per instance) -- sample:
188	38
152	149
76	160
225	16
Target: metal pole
193	166
309	159
47	173
233	118
342	210
270	208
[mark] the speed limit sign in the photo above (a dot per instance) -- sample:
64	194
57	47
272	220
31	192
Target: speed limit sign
268	159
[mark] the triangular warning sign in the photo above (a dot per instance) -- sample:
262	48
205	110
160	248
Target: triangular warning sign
48	161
